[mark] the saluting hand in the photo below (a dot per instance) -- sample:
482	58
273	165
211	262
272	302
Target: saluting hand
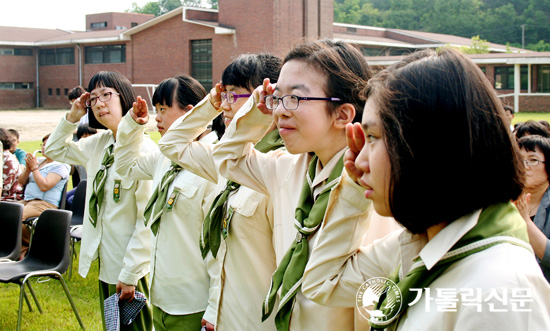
139	111
355	137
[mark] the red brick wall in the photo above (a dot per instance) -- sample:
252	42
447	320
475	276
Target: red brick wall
201	15
116	19
18	69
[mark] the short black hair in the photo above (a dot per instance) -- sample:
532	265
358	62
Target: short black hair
75	92
344	67
185	90
6	139
249	70
509	109
447	138
532	142
119	83
14	132
531	127
84	129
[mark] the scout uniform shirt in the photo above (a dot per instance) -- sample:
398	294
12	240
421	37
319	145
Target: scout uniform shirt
246	258
179	279
120	239
500	268
282	175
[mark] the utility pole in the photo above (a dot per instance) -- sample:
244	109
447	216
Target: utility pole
523	36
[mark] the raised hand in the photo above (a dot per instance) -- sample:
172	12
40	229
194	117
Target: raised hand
139	111
215	96
32	162
356	140
259	93
79	108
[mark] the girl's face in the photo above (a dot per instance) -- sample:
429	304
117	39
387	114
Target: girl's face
230	109
309	128
374	162
167	115
108	113
535	175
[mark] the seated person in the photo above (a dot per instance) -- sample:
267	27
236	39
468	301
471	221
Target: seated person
11	189
18	152
45	180
78	172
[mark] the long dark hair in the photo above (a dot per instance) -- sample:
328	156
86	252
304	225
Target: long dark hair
447	138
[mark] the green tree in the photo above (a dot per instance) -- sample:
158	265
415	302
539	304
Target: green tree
479	46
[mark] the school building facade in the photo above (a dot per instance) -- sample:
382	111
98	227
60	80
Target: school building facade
39	66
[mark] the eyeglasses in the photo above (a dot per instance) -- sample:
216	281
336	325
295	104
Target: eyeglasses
231	97
104	97
532	162
290	102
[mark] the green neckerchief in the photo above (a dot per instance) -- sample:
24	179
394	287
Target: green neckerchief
96	199
309	215
214	224
157	203
497	224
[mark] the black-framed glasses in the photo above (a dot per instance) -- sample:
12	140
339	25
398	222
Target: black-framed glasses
532	162
290	101
231	97
103	97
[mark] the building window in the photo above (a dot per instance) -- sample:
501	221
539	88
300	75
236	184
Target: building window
56	56
50	92
15	51
133	24
369	51
16	86
544	79
105	54
58	91
66	91
98	25
201	62
351	30
504	78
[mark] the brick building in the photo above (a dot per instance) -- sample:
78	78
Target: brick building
39	66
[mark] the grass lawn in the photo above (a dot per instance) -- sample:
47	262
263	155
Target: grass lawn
57	313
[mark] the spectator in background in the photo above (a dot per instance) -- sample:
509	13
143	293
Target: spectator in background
509	111
78	172
545	123
18	152
534	203
74	94
11	189
531	128
45	180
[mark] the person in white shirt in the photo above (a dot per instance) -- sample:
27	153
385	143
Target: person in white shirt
179	281
114	232
434	151
317	94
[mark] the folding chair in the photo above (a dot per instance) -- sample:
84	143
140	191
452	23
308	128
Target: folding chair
48	256
10	236
31	221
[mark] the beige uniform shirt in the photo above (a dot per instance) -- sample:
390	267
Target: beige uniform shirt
120	239
335	273
282	175
241	274
179	280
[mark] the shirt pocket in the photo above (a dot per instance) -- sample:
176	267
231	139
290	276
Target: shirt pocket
185	195
245	204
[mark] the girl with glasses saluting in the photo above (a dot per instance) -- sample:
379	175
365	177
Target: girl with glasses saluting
114	231
316	96
239	236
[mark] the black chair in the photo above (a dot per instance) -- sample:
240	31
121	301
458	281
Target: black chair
48	256
79	203
10	236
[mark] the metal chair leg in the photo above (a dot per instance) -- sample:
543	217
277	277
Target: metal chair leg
27	301
20	310
60	278
33	295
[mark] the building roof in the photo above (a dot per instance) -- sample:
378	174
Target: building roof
10	35
386	37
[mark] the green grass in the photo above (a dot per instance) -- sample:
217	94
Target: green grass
57	313
522	117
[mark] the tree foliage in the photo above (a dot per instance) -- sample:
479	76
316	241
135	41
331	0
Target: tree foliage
499	21
163	6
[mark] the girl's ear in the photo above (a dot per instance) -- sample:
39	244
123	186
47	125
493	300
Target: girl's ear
189	107
344	114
